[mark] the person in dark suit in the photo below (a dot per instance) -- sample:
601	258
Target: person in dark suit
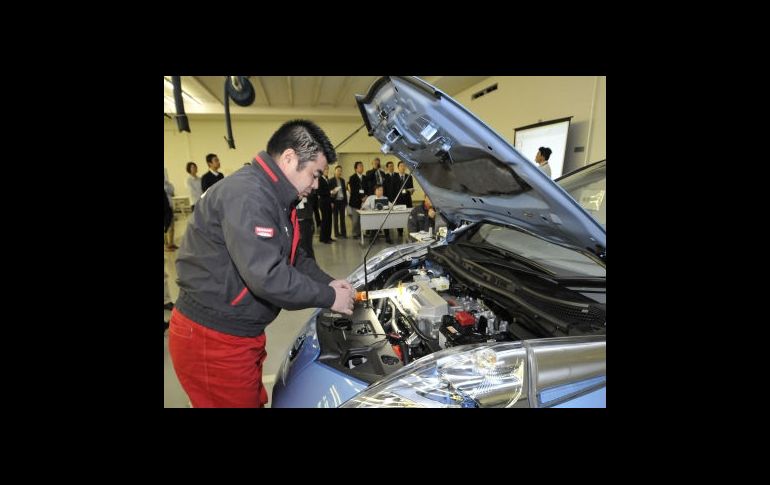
390	190
313	200
375	176
325	203
403	196
339	193
357	188
305	218
390	182
212	176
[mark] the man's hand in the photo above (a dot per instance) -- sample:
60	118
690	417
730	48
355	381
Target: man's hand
431	213
341	284
343	298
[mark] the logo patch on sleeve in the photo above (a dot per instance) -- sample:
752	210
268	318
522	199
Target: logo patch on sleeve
264	231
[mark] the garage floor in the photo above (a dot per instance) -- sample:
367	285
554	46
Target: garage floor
338	259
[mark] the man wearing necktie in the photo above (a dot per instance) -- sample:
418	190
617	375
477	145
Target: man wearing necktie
405	194
339	195
358	186
375	176
325	203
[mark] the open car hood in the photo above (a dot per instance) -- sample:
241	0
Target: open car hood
469	171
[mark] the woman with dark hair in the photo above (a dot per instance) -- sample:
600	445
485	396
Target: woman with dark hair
194	184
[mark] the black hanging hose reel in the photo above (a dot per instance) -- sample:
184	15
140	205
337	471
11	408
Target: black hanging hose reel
240	89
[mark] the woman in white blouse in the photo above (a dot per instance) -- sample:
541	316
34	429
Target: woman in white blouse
194	184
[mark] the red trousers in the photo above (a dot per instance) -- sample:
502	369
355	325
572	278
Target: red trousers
217	370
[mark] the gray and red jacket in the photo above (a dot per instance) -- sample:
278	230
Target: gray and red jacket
239	262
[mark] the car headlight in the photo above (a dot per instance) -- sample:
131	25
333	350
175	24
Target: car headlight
478	375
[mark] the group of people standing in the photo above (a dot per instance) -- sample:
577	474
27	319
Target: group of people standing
398	187
327	205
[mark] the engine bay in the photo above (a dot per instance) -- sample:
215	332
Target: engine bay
420	307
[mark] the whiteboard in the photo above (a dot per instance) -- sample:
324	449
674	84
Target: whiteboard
551	134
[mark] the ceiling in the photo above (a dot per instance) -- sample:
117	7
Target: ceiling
330	97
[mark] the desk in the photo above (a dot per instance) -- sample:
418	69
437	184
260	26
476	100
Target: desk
181	207
373	219
182	204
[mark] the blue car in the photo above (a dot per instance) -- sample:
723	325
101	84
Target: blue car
507	310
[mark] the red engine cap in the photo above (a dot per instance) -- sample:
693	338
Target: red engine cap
465	319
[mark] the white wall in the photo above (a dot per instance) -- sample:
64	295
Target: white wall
524	100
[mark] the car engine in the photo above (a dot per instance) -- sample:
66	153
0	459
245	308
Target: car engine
418	308
430	315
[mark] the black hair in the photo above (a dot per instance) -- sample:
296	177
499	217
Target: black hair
189	166
359	162
210	158
305	138
545	152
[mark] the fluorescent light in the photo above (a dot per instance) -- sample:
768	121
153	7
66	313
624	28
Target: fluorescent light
184	93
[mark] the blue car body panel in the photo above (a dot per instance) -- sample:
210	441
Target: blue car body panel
312	384
316	386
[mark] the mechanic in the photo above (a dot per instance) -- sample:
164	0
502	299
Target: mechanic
240	263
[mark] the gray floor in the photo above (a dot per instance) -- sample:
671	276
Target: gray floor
338	259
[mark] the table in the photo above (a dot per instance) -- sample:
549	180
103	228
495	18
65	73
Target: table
373	219
181	204
181	207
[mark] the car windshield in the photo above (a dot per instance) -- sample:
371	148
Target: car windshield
588	186
561	261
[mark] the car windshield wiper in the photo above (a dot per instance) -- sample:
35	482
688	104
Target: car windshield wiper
508	254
